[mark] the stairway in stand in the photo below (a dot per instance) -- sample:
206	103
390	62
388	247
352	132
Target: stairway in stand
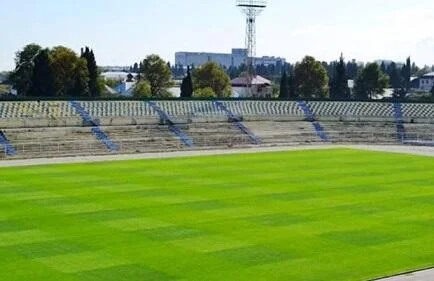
399	119
237	122
310	116
96	130
8	149
165	118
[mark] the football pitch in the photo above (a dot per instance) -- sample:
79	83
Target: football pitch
341	215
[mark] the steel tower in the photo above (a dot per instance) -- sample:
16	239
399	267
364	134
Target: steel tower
252	9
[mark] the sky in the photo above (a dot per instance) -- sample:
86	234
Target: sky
123	32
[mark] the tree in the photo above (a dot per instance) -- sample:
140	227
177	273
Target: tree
211	75
414	68
339	85
136	68
187	86
421	72
284	86
142	90
92	68
71	75
155	70
432	91
383	67
406	76
395	79
204	93
42	79
292	94
310	79
371	82
21	77
352	69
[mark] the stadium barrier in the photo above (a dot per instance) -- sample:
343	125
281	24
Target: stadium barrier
143	145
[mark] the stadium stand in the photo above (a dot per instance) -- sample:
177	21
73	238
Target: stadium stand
61	128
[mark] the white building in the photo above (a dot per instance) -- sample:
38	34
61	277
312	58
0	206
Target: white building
235	58
426	82
261	88
117	75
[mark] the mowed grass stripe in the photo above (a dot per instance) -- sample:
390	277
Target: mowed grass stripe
306	215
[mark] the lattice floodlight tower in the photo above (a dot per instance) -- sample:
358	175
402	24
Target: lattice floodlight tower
252	9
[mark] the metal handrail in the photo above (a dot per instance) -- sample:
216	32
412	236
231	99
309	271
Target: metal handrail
162	143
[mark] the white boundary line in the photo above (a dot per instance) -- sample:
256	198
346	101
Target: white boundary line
424	151
423	275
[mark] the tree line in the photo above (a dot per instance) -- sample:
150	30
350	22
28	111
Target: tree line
55	72
314	79
60	72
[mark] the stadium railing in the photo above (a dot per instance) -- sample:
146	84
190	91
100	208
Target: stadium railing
76	148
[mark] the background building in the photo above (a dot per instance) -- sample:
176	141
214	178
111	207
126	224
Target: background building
235	58
424	83
261	87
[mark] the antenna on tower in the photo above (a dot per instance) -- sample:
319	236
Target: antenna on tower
252	9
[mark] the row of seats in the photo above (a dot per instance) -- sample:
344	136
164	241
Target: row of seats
275	108
98	109
351	109
101	109
418	110
34	109
74	141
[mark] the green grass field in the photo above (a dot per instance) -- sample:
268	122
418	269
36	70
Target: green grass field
341	215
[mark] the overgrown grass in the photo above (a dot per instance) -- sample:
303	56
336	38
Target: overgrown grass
309	215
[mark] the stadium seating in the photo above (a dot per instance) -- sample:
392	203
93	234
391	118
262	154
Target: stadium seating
49	142
272	108
60	128
34	109
352	109
418	111
99	109
274	133
360	132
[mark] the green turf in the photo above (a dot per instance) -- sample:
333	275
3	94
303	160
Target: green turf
341	215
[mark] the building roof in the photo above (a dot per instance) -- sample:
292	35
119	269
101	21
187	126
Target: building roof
257	80
431	74
117	75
